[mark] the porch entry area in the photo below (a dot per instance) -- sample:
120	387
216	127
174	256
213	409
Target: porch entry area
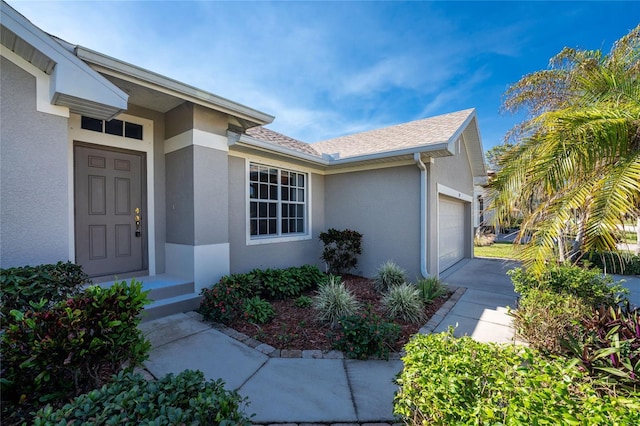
110	210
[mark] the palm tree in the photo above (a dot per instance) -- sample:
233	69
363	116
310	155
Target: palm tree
575	169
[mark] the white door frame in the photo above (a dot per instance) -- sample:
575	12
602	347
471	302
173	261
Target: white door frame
76	133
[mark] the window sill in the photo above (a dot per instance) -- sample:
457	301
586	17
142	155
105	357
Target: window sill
272	240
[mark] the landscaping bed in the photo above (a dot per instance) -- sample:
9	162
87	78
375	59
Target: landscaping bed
294	327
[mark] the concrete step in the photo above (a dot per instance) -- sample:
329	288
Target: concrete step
159	290
168	294
172	305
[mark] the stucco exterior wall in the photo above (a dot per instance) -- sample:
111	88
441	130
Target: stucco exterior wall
384	206
34	211
180	219
273	255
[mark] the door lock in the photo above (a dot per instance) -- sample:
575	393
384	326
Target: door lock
137	218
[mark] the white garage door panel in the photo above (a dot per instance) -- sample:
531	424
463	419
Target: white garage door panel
451	232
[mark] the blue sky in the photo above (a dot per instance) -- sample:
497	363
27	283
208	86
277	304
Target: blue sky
325	69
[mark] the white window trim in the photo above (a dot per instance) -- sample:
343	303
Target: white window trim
269	239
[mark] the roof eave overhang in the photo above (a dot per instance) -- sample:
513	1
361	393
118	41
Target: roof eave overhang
73	83
149	79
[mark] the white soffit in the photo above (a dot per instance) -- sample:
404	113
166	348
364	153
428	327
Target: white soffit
73	83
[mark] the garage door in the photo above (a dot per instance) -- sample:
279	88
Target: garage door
451	231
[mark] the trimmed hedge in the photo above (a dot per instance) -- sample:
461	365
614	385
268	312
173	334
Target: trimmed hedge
448	380
131	400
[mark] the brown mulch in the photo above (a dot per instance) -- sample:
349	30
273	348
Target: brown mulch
296	328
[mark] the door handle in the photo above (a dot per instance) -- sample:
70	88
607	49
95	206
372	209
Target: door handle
137	218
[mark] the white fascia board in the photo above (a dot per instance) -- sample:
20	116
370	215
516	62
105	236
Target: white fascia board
451	143
425	149
472	119
174	87
245	140
71	77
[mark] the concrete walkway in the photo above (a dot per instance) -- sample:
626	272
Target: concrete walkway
322	388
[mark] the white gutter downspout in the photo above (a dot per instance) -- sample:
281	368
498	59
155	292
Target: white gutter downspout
424	187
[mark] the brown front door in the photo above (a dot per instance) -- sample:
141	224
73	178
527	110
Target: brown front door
109	210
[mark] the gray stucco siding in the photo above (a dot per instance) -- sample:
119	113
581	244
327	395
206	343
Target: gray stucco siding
455	171
211	193
34	212
179	196
384	206
274	254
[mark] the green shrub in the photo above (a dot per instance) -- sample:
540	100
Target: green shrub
623	263
546	320
303	302
224	301
280	284
403	302
430	288
334	301
173	400
454	381
22	286
341	249
389	275
66	350
258	310
588	284
365	335
609	349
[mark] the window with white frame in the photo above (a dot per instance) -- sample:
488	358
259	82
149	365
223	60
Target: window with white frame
277	201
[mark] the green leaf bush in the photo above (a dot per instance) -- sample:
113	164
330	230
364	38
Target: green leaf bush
623	263
258	310
225	301
68	349
304	302
280	284
333	301
366	335
184	399
455	381
23	288
546	320
341	249
590	285
389	275
403	302
430	288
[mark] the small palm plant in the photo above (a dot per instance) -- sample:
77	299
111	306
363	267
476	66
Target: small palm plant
403	302
430	288
389	275
334	301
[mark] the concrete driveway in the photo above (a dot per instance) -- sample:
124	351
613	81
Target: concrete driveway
481	312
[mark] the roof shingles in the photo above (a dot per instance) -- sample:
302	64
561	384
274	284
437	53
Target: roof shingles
414	134
401	136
